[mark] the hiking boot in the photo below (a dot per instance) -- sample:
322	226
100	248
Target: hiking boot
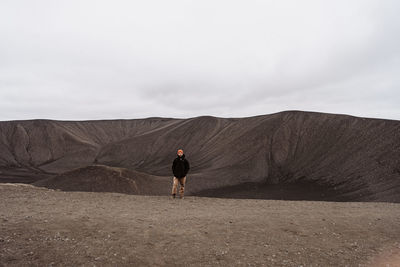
173	196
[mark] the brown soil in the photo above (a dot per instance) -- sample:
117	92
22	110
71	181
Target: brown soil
44	227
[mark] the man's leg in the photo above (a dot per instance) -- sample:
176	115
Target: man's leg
182	181
174	186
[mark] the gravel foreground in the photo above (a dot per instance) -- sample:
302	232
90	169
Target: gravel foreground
43	227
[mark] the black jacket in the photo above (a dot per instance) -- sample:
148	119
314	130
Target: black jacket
180	166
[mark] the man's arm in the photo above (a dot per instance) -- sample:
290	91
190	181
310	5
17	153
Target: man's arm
187	166
173	165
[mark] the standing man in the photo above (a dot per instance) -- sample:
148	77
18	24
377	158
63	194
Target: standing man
180	167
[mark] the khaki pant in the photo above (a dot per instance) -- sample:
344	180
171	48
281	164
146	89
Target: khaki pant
182	182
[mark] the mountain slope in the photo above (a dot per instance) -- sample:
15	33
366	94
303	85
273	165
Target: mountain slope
100	178
358	157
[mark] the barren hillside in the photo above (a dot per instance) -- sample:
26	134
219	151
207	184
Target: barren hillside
357	158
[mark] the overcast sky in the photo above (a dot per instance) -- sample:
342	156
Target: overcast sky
77	60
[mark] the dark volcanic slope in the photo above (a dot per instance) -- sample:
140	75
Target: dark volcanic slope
100	178
358	157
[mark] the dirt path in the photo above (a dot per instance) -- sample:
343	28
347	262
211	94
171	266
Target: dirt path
45	227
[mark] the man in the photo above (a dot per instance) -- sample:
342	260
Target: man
180	167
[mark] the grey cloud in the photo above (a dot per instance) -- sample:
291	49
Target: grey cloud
97	59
